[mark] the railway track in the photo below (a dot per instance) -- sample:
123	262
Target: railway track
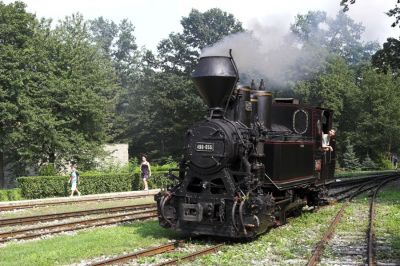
344	189
351	248
35	232
126	258
192	256
12	207
59	216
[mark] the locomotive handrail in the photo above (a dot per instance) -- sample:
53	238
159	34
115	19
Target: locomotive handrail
280	188
236	80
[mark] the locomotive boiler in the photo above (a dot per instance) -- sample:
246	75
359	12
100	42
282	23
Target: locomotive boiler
250	163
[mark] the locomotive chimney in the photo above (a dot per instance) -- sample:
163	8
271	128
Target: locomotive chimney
215	78
264	106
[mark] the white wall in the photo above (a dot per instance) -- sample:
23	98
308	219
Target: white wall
118	154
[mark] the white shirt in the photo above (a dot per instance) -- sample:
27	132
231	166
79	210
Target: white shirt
325	140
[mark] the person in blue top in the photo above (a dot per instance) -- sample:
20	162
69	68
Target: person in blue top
74	179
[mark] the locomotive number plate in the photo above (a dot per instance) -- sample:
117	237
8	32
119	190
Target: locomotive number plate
207	147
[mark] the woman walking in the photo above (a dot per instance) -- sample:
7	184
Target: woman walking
74	179
145	171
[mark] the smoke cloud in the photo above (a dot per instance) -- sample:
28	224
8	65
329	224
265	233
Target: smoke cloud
267	52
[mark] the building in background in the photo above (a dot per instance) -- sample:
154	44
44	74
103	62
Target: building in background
117	154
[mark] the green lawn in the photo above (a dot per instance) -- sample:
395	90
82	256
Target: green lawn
67	249
388	222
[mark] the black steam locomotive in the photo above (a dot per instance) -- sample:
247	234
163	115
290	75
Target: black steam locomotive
250	163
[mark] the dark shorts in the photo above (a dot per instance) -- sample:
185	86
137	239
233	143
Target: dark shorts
145	175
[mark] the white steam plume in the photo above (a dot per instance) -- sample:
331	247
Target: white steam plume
266	52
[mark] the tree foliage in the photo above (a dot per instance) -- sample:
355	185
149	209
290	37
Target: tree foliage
17	27
388	58
378	123
55	89
340	35
368	164
163	107
66	88
68	112
331	89
180	52
350	160
393	12
165	102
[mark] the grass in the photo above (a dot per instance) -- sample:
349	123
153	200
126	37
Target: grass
67	249
292	242
387	221
344	174
75	207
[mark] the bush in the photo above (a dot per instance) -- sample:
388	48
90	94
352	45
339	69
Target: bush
368	164
47	170
34	187
383	162
157	180
10	194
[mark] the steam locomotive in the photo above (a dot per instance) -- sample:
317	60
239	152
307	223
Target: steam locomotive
250	163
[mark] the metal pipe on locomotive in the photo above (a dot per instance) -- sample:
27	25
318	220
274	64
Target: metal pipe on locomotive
251	162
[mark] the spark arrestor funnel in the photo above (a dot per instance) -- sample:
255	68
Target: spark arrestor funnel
215	78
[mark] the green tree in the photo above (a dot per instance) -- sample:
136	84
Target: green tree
368	164
378	123
103	33
118	43
55	88
340	35
388	58
76	96
17	27
159	117
332	87
350	160
164	103
180	52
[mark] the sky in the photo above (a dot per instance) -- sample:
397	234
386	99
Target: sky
154	20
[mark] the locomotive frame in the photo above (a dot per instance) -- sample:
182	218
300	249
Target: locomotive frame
250	163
